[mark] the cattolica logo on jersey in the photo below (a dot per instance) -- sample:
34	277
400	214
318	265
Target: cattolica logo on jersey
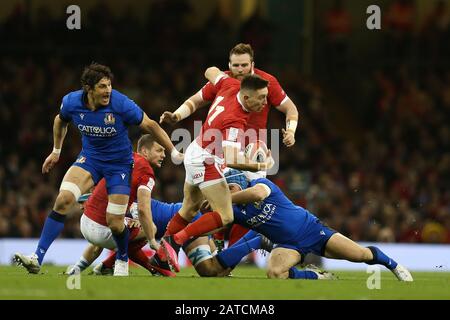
109	118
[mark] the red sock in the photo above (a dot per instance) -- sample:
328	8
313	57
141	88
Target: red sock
207	222
138	256
176	224
237	231
109	262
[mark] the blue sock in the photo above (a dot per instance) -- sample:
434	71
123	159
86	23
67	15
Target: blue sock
231	256
294	273
380	258
247	237
121	240
53	226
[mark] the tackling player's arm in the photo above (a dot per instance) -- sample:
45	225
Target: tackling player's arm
258	192
290	110
150	126
145	216
59	133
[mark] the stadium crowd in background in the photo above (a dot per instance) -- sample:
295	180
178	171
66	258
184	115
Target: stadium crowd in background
388	181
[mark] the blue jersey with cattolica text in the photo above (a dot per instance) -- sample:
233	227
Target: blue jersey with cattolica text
104	131
276	217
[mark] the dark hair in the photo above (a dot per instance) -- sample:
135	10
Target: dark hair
93	73
242	48
253	82
146	141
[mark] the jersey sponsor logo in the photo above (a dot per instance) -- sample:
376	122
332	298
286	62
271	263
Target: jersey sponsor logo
123	175
264	215
109	118
81	159
82	116
322	233
97	131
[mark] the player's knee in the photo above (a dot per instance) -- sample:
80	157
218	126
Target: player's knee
115	223
226	219
206	269
275	273
64	201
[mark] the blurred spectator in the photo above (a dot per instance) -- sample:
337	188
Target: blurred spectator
399	22
338	27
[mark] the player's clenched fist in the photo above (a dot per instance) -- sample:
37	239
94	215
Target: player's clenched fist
50	162
169	117
288	138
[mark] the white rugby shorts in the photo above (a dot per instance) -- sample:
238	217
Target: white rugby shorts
203	169
96	233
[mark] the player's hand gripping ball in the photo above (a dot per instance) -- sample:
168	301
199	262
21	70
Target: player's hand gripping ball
257	151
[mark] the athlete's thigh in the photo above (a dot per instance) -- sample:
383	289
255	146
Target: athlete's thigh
79	176
219	197
191	201
282	259
341	247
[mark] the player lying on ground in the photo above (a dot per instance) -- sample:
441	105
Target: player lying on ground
161	214
261	206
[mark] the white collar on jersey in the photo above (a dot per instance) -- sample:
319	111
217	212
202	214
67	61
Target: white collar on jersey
240	102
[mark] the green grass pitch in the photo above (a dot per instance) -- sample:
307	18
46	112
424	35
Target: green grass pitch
248	283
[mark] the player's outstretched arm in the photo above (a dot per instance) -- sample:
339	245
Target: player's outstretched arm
256	193
290	110
236	159
59	133
145	216
150	126
188	107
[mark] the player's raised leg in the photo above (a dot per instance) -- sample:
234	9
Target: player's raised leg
169	248
76	182
341	247
219	198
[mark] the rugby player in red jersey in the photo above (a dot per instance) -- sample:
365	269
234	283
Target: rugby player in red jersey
219	142
241	63
94	224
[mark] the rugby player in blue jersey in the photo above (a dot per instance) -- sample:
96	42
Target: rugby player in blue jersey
102	115
261	206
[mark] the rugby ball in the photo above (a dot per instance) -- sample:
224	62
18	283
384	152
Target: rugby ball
257	151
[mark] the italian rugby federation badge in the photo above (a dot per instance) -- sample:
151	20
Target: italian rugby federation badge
109	118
